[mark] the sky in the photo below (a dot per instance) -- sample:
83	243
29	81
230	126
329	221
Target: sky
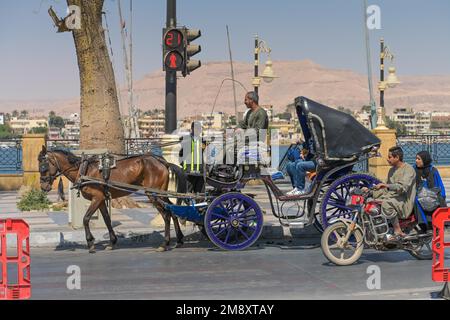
37	63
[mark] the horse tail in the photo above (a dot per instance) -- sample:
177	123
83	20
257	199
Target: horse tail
180	175
181	179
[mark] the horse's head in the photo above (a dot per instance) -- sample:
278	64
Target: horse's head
48	169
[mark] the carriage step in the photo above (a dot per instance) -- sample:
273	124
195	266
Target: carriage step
291	216
296	224
293	223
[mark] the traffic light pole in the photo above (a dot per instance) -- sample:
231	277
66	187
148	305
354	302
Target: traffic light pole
171	76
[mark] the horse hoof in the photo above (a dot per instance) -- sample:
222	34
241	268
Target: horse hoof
111	247
161	249
92	250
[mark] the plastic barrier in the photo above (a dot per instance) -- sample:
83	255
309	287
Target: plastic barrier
15	278
439	271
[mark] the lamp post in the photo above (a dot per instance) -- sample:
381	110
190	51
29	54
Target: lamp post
391	82
268	74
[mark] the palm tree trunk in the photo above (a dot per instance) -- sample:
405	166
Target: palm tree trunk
101	125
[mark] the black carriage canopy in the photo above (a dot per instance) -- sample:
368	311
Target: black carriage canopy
337	136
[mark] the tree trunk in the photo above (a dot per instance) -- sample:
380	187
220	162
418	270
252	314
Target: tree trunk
101	125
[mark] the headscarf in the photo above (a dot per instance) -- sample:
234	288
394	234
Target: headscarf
425	173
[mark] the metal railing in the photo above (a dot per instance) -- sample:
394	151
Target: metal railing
10	156
132	146
139	146
64	144
437	145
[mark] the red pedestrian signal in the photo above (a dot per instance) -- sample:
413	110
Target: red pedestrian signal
173	61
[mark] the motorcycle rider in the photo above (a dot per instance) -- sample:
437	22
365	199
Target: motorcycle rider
398	194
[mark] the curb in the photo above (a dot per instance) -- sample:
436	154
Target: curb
150	236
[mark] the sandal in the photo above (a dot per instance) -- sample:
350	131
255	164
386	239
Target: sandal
394	238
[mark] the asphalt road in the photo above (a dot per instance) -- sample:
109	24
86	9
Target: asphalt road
295	270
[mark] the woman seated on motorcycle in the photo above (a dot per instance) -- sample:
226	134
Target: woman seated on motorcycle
427	176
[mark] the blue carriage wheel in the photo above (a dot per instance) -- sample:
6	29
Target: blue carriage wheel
233	221
334	202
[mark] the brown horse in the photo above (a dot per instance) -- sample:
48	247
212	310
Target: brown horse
146	170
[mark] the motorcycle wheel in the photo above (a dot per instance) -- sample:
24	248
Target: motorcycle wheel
339	255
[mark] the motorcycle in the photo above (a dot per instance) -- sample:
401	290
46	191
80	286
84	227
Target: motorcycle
344	240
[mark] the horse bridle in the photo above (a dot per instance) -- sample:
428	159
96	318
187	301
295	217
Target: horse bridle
44	167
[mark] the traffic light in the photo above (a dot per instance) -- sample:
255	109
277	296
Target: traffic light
191	50
174	47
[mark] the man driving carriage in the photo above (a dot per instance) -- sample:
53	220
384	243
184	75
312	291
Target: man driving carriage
255	117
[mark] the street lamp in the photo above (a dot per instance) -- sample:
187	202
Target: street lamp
268	75
391	82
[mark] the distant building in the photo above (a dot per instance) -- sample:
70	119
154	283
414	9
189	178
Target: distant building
440	117
414	122
184	126
213	121
23	126
363	118
269	110
423	122
71	130
406	117
152	125
288	131
2	119
54	133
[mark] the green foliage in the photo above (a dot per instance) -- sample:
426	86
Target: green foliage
24	114
366	109
39	130
34	200
232	120
346	110
56	121
6	132
397	126
284	116
439	124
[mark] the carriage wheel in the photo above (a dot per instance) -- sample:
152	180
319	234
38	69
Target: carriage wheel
334	202
317	214
233	221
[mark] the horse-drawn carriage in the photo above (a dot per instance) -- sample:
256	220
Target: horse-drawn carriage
232	219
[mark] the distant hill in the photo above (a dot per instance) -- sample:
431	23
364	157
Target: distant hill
196	93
